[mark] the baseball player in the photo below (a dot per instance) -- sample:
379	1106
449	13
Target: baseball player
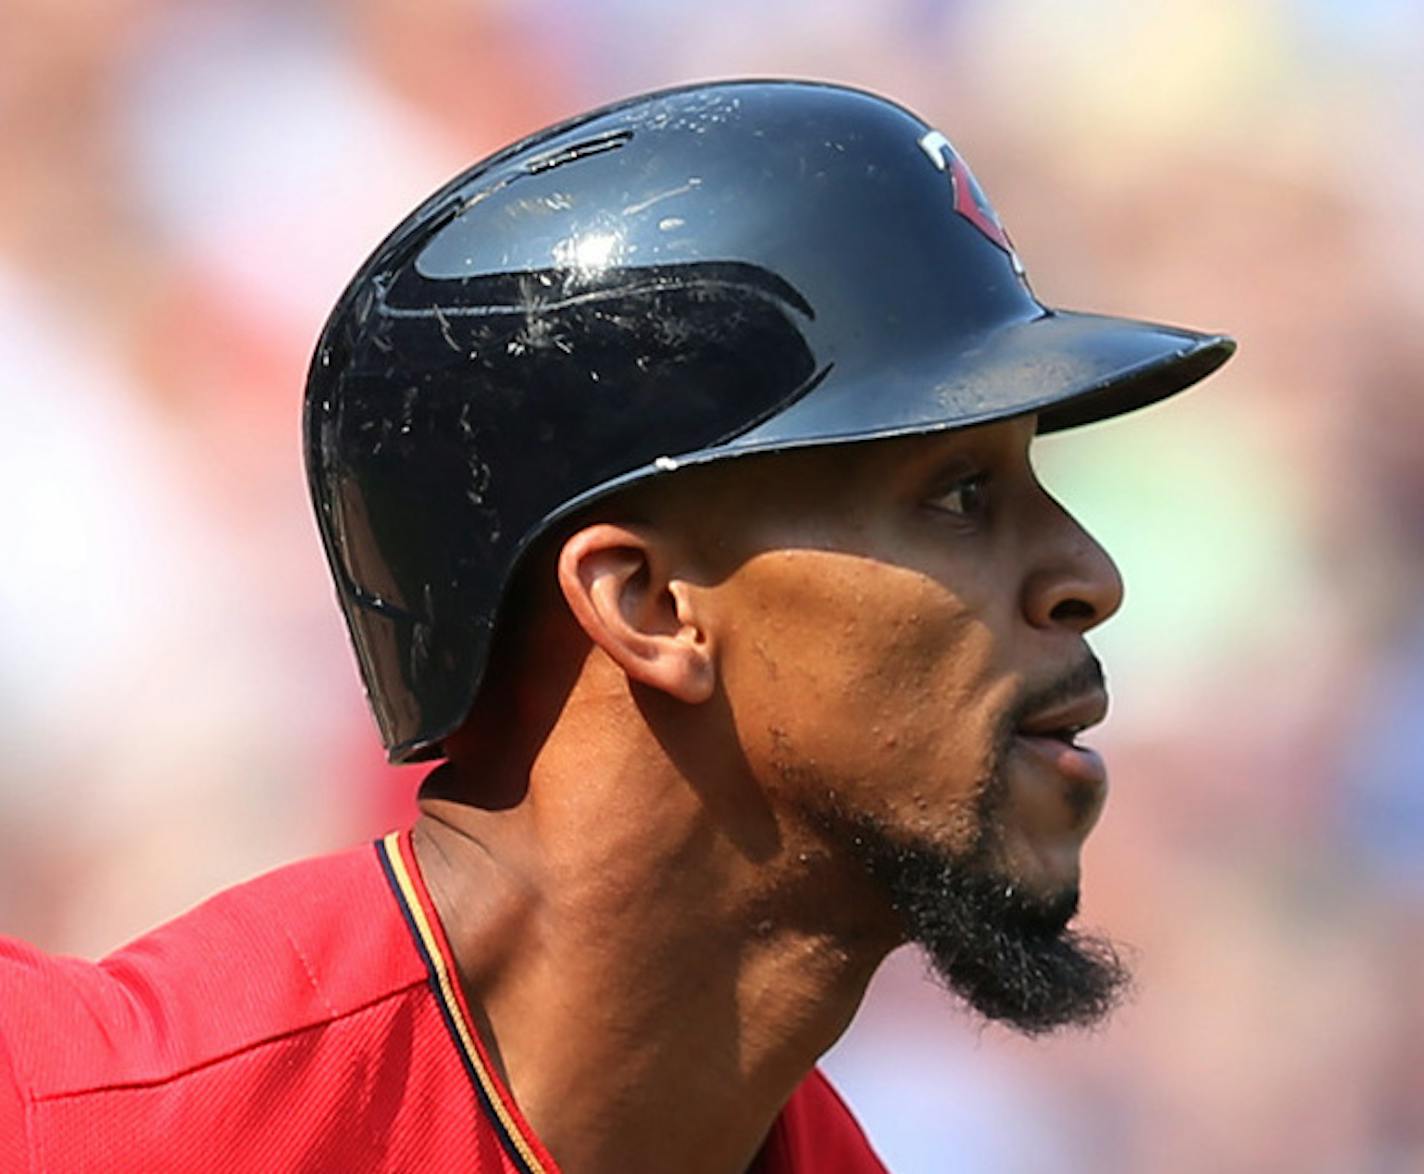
673	467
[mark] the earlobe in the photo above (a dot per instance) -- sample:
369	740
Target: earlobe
621	590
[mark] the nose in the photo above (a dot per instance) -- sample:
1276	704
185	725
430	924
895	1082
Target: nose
1075	585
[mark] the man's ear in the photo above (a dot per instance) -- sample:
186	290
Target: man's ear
620	586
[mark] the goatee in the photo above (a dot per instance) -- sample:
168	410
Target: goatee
1009	955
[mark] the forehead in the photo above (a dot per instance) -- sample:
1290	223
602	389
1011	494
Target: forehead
839	469
739	504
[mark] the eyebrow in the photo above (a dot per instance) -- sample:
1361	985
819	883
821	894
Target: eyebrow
953	451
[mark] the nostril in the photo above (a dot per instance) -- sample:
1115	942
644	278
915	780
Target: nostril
1069	611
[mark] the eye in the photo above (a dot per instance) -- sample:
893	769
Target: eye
966	496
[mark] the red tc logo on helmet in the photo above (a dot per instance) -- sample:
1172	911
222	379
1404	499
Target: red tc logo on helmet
969	199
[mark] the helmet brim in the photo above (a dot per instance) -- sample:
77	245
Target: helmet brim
1069	368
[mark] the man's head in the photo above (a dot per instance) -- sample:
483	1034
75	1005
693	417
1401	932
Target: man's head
749	373
681	279
887	641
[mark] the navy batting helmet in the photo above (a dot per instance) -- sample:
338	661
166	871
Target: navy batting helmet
683	277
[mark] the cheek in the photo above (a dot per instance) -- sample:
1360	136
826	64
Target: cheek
870	679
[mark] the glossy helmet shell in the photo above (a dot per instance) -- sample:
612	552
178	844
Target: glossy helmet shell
683	277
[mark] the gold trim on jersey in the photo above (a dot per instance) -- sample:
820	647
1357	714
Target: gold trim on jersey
445	987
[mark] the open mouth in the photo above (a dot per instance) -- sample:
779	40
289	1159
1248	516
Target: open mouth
1052	736
1068	735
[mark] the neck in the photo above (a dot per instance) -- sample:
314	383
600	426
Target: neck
652	985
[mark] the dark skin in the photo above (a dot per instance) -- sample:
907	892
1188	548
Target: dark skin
661	936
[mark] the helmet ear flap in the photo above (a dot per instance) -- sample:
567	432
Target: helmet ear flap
433	470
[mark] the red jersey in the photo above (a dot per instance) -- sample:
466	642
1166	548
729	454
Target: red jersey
306	1020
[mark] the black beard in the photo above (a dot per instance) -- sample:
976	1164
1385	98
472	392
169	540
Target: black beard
1009	955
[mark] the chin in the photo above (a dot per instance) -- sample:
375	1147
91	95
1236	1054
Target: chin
1043	876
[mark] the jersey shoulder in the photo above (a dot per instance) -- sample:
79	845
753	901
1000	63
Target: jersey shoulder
306	944
285	1023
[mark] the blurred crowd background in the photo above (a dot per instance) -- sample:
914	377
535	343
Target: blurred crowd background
186	185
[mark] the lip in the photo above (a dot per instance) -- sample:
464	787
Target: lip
1080	765
1075	715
